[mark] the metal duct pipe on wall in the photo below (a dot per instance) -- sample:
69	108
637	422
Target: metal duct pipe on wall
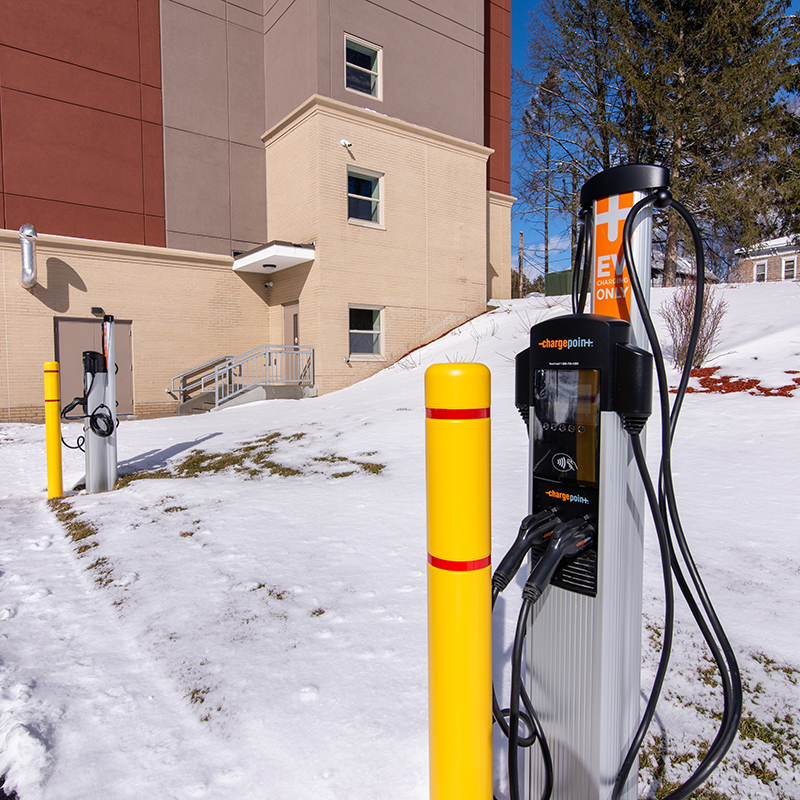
27	241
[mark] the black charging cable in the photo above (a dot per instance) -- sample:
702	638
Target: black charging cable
101	420
567	540
665	512
581	272
534	530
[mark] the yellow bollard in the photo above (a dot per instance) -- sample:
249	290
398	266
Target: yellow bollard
52	419
457	433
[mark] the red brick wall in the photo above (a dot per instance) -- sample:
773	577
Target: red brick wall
497	93
80	119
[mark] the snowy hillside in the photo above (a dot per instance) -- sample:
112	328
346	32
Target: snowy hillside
250	621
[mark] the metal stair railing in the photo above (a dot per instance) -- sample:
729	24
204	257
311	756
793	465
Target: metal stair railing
228	377
197	379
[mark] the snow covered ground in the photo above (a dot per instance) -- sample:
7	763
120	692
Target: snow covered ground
260	631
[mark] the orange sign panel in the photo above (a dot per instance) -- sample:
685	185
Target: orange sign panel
612	285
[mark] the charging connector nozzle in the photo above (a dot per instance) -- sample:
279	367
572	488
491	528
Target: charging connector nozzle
533	530
568	539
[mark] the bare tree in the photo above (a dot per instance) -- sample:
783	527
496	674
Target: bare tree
678	314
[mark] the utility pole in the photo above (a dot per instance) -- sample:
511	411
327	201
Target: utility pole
519	282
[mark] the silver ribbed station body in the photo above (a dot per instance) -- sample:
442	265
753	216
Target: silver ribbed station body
584	652
101	399
111	399
95	446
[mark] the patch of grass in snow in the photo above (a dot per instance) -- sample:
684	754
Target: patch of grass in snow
198	695
253	459
78	530
124	480
770	665
273	591
767	748
371	467
780	734
104	572
653	758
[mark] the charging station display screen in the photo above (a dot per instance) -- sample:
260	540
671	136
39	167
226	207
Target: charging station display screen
566	424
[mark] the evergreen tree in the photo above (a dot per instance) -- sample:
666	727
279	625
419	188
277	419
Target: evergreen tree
700	86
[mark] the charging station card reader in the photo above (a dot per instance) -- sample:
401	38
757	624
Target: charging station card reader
567	377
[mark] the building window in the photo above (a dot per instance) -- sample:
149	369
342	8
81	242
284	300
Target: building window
364	197
789	269
760	272
362	68
366	332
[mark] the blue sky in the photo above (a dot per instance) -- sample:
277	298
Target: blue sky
520	11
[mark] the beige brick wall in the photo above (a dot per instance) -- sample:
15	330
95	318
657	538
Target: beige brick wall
185	307
443	244
498	267
426	265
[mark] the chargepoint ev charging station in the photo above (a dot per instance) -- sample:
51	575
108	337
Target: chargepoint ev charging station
585	639
584	388
99	413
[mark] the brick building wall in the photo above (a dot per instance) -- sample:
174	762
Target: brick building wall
186	308
80	100
424	265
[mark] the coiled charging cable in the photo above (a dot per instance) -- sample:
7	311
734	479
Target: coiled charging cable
101	420
664	508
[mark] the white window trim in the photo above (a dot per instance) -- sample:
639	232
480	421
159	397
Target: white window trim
794	260
378	67
367	356
756	265
367	223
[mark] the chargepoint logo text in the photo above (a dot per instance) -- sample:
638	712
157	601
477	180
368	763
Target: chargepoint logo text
565	344
567	498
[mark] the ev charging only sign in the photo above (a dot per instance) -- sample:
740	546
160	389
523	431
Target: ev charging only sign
612	285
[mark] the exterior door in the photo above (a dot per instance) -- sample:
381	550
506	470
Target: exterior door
73	337
291	338
291	324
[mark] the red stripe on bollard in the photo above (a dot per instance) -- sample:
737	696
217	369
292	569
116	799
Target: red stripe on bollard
457	413
459	566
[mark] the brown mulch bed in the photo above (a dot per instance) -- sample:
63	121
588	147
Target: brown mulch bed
711	383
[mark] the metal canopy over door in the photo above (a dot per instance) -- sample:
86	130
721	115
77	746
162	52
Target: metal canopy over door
73	337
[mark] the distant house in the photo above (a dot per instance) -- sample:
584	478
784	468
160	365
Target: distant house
685	271
775	260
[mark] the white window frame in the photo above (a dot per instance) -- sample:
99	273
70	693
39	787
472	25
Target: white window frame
755	271
379	199
376	73
793	261
379	356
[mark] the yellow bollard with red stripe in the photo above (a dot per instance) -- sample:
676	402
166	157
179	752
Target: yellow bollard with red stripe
52	420
458	448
